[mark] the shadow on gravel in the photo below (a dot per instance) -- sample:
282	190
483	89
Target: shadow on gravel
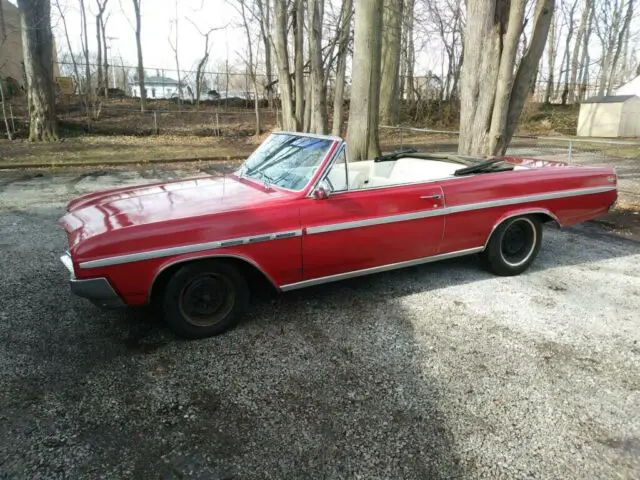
321	384
328	382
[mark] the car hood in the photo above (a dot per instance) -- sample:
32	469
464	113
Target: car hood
115	209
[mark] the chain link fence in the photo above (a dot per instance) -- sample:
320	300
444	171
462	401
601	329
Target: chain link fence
623	155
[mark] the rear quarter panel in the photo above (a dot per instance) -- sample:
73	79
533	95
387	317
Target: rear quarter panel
471	228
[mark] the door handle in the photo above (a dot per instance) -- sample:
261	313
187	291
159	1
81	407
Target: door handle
435	196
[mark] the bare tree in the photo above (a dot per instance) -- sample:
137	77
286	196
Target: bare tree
551	60
102	5
493	89
390	60
279	41
343	36
568	11
174	46
202	62
264	13
408	52
319	123
575	58
37	45
85	50
251	61
362	131
298	35
143	90
611	23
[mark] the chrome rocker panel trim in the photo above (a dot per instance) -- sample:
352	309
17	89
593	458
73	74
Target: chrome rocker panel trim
382	268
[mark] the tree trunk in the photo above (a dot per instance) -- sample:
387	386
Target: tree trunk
85	50
567	55
491	96
37	46
390	60
298	31
105	59
575	58
584	62
411	52
99	79
551	61
264	10
341	67
279	39
319	123
2	85
143	90
362	132
308	103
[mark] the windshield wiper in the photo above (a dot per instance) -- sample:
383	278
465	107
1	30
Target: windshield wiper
266	179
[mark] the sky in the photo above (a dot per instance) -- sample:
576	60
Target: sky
158	22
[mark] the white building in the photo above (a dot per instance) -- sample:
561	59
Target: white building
630	88
159	87
613	116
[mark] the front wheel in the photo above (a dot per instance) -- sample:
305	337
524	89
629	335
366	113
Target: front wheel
513	246
205	298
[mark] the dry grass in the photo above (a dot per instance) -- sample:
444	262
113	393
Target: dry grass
123	149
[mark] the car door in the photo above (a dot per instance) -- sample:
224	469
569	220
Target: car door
353	230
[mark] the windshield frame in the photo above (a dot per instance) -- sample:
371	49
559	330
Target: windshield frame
330	153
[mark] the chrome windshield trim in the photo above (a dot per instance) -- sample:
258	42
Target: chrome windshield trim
383	268
434	212
308	135
197	247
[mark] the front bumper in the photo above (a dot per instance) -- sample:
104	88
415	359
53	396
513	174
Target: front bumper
98	290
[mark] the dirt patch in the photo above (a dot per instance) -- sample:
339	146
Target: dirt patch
624	222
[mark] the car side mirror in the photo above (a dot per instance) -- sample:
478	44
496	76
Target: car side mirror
321	191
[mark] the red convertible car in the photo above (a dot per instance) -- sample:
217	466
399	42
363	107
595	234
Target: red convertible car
297	213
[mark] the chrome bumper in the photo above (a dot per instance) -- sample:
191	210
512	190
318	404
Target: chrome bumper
98	290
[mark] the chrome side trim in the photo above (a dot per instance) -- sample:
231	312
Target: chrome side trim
457	209
382	268
576	192
198	247
376	221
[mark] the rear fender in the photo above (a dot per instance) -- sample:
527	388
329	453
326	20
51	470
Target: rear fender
519	213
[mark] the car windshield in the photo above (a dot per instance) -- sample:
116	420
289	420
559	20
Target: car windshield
286	160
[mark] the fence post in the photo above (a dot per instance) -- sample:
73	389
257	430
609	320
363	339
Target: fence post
155	122
217	124
570	149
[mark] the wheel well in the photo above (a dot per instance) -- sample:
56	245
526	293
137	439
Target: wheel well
258	282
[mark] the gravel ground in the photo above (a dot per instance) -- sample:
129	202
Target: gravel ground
439	371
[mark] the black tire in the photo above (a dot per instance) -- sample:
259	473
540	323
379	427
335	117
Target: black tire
204	298
513	246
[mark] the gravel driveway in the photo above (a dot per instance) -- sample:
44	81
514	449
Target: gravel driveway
439	371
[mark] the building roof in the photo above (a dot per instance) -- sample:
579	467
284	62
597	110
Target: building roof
159	80
609	99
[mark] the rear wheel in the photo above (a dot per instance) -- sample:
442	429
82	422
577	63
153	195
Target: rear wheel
204	299
513	246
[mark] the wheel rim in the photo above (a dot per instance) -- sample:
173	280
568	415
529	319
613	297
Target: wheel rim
207	299
518	242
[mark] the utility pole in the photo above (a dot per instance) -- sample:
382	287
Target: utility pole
113	71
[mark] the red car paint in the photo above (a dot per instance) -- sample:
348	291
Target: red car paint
168	215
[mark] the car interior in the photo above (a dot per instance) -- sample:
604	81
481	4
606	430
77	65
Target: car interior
407	167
